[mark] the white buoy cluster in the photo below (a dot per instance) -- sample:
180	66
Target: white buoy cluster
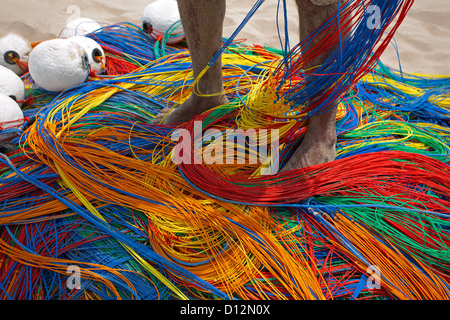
60	64
67	61
53	65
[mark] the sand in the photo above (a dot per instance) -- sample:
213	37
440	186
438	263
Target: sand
423	40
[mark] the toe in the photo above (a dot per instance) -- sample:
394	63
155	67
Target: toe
160	116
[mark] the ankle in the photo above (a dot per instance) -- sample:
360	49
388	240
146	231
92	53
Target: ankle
208	98
326	138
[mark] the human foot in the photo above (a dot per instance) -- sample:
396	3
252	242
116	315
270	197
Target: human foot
319	143
192	107
312	152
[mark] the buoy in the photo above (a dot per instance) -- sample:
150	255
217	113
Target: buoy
160	17
79	27
58	64
94	51
11	85
11	117
14	51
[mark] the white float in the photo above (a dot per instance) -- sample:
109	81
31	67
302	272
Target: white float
11	116
79	27
12	47
94	51
158	17
11	85
59	64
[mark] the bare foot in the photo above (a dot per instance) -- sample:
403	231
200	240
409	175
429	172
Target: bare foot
192	107
319	144
312	152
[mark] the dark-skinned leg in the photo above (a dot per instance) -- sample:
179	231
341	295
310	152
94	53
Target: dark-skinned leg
203	23
319	143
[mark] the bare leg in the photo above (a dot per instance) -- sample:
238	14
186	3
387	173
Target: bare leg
202	23
319	144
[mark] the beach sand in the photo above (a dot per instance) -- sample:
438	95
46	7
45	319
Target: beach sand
423	40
